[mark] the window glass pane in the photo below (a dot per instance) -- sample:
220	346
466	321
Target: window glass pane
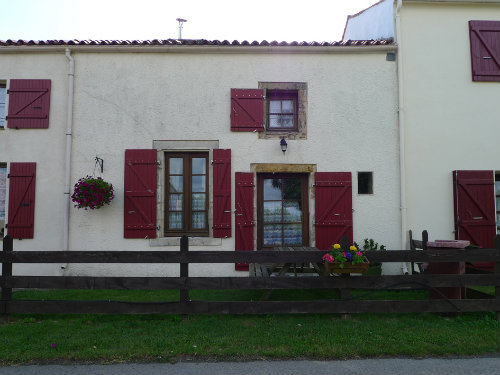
275	106
199	220
292	188
287	106
272	189
3	92
272	234
175	220
287	121
175	166
498	203
198	202
292	234
272	212
175	184
497	187
198	184
199	165
2	115
498	218
292	211
175	202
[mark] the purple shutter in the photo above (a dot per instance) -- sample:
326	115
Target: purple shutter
244	215
29	104
21	217
485	50
333	206
140	194
474	203
222	193
247	110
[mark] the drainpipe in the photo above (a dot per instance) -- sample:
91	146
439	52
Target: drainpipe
402	169
69	130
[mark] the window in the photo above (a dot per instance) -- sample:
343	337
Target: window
281	110
497	196
365	182
282	210
3	96
186	182
3	192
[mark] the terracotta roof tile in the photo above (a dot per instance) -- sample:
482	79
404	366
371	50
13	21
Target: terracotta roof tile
188	42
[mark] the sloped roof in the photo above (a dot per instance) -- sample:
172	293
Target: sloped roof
189	42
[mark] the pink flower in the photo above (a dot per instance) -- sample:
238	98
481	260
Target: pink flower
359	253
327	257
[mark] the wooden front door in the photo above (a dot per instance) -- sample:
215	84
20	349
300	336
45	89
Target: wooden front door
282	210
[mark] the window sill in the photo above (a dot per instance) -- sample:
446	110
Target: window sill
193	241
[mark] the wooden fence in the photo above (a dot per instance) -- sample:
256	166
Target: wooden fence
185	283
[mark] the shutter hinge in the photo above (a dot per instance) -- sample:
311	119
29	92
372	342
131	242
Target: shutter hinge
211	162
8	176
158	227
158	162
8	91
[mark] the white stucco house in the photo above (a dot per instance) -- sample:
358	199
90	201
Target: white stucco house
191	134
449	111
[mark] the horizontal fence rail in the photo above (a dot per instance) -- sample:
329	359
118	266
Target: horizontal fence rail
184	283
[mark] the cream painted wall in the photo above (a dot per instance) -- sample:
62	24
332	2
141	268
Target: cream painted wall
129	100
451	122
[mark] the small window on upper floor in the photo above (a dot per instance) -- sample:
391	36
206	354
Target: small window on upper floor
282	110
274	110
3	97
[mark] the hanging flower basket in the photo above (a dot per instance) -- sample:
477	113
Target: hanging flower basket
92	193
342	261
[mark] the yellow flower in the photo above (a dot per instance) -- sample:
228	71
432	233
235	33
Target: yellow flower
353	248
336	246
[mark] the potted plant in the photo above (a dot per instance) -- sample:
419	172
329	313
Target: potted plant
349	260
92	193
369	244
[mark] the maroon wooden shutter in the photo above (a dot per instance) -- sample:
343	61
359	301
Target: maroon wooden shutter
485	50
140	194
474	203
29	104
247	110
222	193
333	205
244	214
21	200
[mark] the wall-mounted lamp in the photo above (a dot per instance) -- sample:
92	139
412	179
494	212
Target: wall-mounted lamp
283	145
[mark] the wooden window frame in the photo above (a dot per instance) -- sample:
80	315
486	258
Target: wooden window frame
3	86
187	191
304	177
282	95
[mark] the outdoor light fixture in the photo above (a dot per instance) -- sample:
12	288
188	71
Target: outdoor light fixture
283	145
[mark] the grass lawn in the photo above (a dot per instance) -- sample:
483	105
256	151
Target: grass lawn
159	338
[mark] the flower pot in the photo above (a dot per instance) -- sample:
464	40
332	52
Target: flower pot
348	267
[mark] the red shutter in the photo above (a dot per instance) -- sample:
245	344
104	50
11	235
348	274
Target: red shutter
21	217
485	50
222	193
333	205
244	214
140	194
29	104
247	110
474	203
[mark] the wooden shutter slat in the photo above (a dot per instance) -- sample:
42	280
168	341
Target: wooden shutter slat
222	193
247	110
333	206
21	214
140	193
485	50
29	104
244	215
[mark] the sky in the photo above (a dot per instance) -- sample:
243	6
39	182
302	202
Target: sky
281	20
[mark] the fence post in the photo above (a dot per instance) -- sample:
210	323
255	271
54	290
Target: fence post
184	272
496	242
8	245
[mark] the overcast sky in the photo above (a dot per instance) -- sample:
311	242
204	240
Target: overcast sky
282	20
